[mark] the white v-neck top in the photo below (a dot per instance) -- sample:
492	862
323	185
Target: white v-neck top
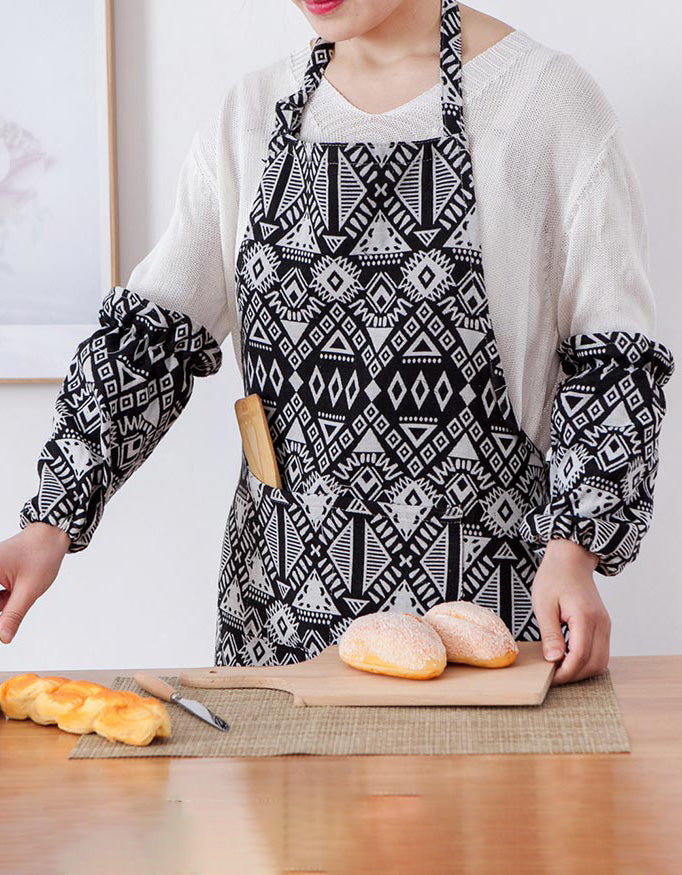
561	217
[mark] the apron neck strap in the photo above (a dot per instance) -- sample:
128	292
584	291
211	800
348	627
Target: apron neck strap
289	109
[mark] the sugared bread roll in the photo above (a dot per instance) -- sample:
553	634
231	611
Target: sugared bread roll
473	634
393	643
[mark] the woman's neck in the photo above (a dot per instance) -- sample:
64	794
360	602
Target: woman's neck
412	32
400	59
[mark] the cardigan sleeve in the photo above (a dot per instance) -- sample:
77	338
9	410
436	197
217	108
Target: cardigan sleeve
186	271
608	408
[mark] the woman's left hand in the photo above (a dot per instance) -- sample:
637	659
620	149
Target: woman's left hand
564	590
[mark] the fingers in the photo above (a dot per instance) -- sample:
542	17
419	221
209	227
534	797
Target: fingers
588	648
599	661
580	636
548	616
15	609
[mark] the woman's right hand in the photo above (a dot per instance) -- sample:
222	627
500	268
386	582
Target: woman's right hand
29	562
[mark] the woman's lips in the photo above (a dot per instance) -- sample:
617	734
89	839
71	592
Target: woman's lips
321	7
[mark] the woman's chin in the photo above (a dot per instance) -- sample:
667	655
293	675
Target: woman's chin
337	20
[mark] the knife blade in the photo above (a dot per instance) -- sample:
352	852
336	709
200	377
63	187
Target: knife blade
165	691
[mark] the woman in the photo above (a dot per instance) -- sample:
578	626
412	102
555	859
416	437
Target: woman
430	448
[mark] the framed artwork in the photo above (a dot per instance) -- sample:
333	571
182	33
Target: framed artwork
58	181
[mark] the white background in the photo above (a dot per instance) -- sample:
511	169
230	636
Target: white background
143	594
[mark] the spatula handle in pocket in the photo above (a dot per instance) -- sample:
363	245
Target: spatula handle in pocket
256	440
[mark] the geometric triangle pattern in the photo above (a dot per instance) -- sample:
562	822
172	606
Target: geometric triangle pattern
606	422
126	385
365	330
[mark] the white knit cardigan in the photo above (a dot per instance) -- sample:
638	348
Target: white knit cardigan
561	217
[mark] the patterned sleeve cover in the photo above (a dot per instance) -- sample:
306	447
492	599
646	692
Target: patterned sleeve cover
126	385
605	425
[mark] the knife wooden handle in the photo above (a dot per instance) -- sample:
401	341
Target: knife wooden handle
256	440
155	686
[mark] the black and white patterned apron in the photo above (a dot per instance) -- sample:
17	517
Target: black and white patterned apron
365	330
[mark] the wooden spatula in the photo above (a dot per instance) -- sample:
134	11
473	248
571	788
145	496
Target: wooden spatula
256	439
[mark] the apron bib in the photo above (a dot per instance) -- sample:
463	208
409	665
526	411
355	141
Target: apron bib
365	330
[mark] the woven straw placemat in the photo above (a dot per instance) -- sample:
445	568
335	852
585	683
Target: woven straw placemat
580	717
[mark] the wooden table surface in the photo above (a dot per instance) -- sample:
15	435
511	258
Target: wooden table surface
565	813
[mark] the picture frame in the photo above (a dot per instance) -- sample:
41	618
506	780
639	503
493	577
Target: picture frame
39	349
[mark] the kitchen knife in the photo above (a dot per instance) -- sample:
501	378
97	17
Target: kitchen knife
164	691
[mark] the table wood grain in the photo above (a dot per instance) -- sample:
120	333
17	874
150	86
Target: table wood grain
565	813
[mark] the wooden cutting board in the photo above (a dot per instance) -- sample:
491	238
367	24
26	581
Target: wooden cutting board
326	680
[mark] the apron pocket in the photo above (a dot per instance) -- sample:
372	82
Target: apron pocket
333	556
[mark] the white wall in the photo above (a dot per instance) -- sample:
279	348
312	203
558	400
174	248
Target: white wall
143	594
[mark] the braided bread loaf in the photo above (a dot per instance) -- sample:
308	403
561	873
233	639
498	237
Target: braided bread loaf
83	706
